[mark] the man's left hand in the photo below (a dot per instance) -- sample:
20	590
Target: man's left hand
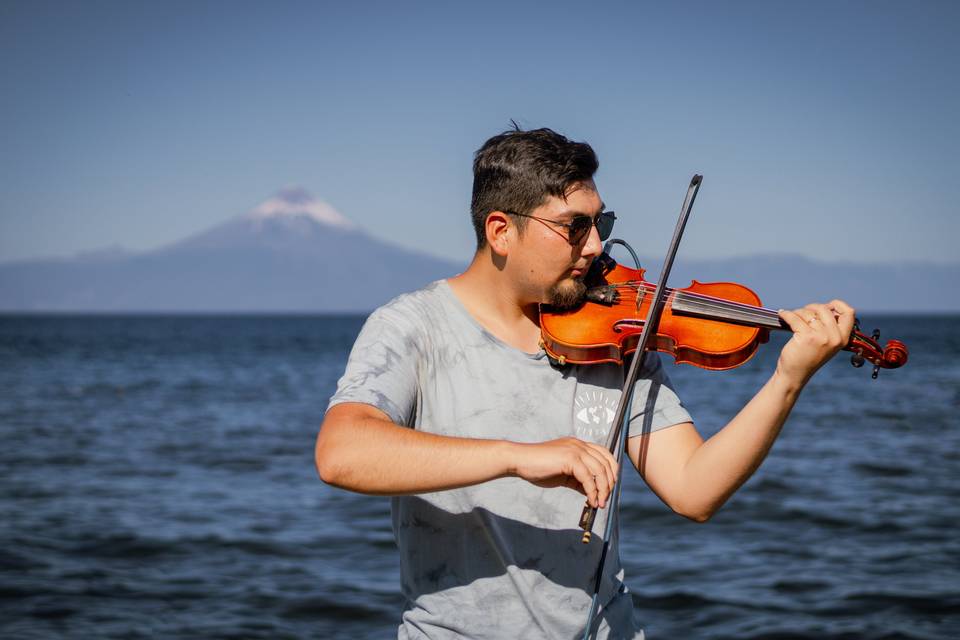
819	332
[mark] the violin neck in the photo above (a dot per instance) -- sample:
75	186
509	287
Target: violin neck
710	308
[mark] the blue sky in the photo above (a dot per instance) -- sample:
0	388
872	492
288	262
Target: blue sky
824	129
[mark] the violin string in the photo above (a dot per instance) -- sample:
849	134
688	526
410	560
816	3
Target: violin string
632	286
700	296
727	308
856	338
689	295
723	308
727	313
712	304
722	313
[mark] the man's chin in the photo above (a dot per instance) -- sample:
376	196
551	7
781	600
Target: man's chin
567	294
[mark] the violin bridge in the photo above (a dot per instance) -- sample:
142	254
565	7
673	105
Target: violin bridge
641	292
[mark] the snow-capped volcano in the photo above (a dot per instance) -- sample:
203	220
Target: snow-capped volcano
292	252
295	202
291	220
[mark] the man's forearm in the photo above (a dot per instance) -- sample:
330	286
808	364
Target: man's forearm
695	477
374	456
360	449
719	466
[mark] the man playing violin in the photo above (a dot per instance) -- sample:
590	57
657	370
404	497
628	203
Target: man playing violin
450	405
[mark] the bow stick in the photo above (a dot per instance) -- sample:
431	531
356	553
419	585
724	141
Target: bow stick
616	441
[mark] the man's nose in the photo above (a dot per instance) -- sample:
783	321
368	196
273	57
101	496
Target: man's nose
593	246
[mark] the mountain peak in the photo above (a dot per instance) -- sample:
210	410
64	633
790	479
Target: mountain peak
294	201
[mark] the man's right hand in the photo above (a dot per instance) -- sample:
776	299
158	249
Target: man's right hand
567	462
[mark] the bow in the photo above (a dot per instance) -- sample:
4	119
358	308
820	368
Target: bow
616	441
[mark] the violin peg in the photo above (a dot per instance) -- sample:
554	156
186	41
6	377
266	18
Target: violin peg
876	334
857	359
876	371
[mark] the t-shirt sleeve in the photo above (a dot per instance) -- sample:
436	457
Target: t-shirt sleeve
382	368
656	404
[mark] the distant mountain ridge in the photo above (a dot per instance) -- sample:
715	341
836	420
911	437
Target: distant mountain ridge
294	253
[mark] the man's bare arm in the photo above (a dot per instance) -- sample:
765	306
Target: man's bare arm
694	477
359	448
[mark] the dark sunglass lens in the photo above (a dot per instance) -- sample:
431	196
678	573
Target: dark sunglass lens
579	227
605	224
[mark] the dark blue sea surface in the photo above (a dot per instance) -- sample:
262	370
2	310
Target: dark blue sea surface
157	481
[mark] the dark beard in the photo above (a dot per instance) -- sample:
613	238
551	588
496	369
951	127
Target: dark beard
567	294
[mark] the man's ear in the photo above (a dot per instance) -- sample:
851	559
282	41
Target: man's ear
499	232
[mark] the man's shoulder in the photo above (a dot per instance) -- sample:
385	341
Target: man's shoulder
417	314
415	304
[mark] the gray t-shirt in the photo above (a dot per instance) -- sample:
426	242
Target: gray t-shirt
502	559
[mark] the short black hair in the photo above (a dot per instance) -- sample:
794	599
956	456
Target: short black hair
518	170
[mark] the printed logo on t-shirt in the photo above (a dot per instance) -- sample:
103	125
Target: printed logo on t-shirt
594	413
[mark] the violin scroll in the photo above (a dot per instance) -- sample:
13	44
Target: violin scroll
864	348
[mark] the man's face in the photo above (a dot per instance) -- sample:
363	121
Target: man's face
551	267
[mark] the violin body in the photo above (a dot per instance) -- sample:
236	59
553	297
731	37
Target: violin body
715	326
603	333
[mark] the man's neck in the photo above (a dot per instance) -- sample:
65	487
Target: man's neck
488	295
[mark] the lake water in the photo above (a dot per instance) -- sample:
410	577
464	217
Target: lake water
157	481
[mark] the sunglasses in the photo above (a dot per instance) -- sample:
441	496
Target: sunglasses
579	226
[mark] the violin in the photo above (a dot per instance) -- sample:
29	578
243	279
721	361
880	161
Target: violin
716	325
